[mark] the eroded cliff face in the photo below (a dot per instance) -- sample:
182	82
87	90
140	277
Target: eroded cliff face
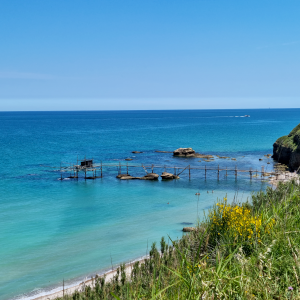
286	149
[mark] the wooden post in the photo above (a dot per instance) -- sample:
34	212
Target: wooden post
250	174
101	168
205	172
189	171
174	170
218	172
127	168
235	173
120	168
262	171
226	172
85	173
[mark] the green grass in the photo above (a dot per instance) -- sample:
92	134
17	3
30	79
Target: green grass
221	260
292	140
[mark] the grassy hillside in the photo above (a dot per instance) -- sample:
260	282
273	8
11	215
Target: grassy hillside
290	141
247	251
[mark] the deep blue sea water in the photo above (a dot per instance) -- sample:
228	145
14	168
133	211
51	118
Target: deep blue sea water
52	230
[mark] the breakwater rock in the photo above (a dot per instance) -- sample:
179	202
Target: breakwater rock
168	176
184	152
149	176
189	152
286	149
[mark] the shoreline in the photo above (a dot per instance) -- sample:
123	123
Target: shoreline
80	286
284	176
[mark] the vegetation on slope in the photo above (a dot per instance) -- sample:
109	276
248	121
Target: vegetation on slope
290	141
240	251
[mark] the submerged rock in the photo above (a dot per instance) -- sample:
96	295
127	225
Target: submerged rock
128	158
136	152
126	177
168	176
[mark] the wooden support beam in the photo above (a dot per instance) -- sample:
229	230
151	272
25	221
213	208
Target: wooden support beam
218	172
189	171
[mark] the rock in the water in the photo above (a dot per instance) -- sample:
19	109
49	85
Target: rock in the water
286	149
189	152
136	152
126	177
150	176
168	176
188	229
122	175
128	158
184	152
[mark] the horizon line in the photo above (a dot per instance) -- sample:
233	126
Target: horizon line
175	109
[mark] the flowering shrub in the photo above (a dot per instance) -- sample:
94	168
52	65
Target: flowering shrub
237	221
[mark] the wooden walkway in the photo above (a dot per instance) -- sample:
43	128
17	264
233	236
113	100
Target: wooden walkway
97	170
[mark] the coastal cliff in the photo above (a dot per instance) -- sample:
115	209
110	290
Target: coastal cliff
286	149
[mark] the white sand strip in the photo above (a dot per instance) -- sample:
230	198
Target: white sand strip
59	292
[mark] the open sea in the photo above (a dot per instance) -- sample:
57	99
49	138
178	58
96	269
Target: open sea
53	230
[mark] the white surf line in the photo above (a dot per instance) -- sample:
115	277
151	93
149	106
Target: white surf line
59	292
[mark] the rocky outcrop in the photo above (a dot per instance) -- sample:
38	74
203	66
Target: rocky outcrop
189	152
188	229
168	176
286	149
184	152
150	176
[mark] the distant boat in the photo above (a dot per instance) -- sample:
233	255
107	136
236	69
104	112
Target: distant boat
247	116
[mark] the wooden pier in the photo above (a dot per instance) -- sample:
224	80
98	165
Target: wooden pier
90	170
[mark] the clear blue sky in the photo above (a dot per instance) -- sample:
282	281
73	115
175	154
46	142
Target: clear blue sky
149	54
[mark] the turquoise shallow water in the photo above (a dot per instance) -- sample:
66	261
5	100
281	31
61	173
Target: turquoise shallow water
53	230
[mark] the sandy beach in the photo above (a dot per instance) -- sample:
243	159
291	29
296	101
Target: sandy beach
69	290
